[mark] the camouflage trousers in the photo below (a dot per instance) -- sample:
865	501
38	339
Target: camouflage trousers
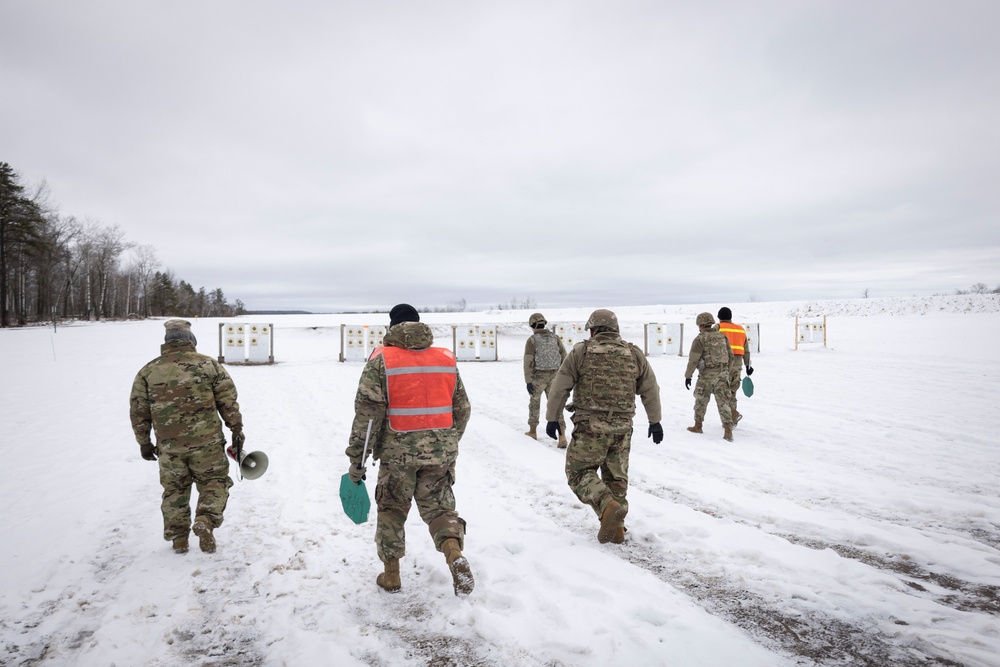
541	381
735	377
205	466
430	486
591	451
713	384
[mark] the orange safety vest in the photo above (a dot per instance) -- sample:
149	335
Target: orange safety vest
737	336
420	386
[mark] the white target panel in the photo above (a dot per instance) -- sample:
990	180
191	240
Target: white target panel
354	342
376	334
810	331
357	341
571	334
465	336
488	343
664	339
258	340
753	336
234	343
474	342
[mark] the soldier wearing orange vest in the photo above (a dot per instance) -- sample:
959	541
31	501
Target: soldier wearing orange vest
414	398
737	336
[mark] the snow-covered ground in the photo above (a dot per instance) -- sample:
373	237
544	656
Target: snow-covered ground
855	520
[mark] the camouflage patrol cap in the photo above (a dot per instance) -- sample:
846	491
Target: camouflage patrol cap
178	330
602	318
704	320
537	319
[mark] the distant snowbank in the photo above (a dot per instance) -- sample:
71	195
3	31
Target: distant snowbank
766	310
957	303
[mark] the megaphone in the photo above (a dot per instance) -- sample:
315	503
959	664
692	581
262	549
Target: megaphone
252	464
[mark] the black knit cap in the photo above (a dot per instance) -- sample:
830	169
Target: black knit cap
725	313
403	312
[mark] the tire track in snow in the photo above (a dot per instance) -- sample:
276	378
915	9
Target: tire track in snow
803	634
965	595
71	621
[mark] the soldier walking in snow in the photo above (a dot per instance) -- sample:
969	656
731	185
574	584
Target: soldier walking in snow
415	400
180	395
604	373
544	352
737	336
712	356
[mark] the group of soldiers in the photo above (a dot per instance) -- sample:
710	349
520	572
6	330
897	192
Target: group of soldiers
411	411
719	353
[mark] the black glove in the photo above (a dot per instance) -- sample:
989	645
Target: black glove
749	370
552	430
687	383
357	472
148	452
656	433
238	440
531	389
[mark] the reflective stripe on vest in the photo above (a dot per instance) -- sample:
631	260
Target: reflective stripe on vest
420	386
736	335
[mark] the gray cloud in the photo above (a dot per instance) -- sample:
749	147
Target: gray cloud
332	155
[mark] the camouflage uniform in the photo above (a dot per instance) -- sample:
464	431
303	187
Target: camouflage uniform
180	395
604	373
414	465
712	356
544	352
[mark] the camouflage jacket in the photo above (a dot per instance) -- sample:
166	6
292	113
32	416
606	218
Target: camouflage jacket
577	375
430	447
540	351
180	395
710	353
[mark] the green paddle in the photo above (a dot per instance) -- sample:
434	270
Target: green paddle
354	497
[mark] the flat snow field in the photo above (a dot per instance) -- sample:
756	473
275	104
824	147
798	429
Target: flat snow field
854	521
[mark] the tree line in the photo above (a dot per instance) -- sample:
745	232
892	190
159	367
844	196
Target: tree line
58	267
979	288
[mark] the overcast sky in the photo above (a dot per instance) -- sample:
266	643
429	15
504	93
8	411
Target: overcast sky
320	155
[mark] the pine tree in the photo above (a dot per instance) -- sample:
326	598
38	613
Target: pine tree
20	219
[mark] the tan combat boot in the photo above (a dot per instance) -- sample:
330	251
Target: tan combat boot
532	433
203	529
389	580
611	521
461	573
562	441
736	418
181	545
696	428
728	435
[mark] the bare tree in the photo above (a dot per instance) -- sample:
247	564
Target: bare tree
144	262
979	288
109	244
56	266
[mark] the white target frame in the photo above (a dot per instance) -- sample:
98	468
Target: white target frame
662	339
246	343
474	342
810	331
357	341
